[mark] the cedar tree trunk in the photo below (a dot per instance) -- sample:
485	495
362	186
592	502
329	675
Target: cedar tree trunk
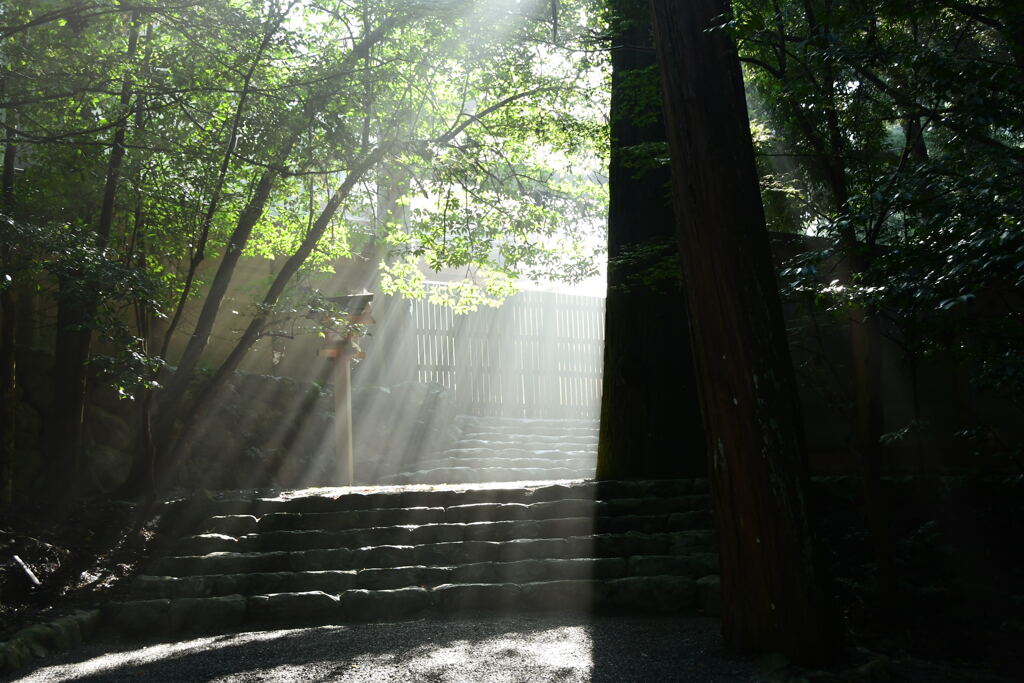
775	595
648	362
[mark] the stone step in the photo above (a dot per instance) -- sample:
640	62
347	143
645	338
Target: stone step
267	538
472	512
513	432
519	428
349	520
336	555
662	594
524	441
513	461
345	499
436	554
695	565
541	440
465	421
548	454
497	449
528	441
479	475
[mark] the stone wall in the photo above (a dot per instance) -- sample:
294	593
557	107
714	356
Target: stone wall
278	432
267	431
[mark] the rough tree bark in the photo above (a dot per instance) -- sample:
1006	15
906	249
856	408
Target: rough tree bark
774	589
648	362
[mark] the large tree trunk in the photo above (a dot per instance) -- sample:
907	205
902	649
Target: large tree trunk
648	362
774	589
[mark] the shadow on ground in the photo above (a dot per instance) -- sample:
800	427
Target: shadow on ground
492	649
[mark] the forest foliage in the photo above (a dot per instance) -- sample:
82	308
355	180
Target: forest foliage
479	118
162	137
896	130
146	140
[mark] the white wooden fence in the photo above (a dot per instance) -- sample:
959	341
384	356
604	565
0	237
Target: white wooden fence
538	355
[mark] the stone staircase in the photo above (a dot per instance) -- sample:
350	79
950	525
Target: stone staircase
383	553
509	449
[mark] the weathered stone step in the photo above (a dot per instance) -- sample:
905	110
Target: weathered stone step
471	475
521	526
527	441
333	500
533	442
546	454
348	520
343	509
514	432
636	594
694	566
437	554
577	461
465	421
544	451
341	555
523	447
527	432
344	500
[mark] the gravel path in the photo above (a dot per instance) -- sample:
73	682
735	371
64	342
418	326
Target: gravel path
486	650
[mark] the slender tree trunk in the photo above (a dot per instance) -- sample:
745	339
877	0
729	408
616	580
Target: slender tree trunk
8	384
774	589
140	480
71	358
178	385
277	287
8	339
218	186
648	378
914	134
76	311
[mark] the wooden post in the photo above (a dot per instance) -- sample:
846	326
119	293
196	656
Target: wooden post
342	348
343	417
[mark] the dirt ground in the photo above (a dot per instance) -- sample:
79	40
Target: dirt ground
79	559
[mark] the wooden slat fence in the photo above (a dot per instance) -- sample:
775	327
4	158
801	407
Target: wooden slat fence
538	355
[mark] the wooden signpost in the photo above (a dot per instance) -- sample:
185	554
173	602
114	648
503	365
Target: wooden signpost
342	346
